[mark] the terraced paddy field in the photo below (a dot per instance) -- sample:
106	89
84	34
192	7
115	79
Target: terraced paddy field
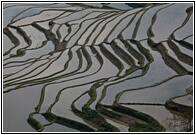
98	67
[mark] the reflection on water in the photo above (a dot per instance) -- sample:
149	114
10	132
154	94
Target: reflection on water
17	105
58	128
92	55
160	93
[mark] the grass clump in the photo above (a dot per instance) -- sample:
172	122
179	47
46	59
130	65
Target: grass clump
34	123
19	53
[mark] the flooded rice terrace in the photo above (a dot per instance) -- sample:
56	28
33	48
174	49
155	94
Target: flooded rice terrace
97	67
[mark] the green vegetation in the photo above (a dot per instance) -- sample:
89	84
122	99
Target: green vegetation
143	50
181	56
34	123
19	53
68	122
111	58
87	56
134	52
150	120
144	128
11	36
122	54
170	61
23	34
93	117
85	37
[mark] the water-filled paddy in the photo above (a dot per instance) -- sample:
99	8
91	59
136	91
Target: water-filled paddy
158	94
176	19
19	108
72	67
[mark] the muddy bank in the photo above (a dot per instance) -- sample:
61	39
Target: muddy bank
179	109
